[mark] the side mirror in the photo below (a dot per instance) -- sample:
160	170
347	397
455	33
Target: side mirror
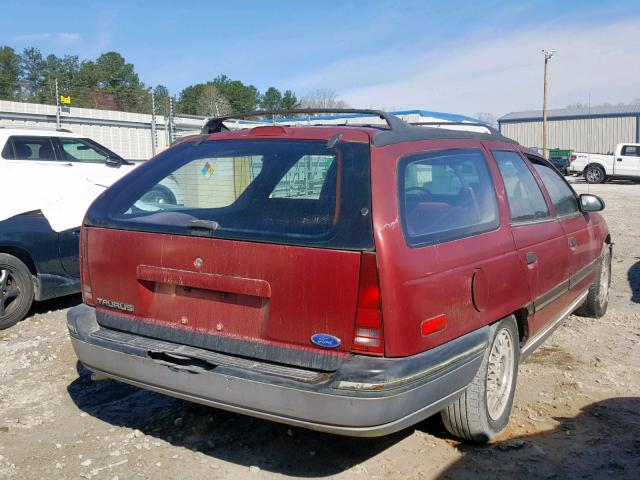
591	203
113	162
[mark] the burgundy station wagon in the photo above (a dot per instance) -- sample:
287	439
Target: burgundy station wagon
349	279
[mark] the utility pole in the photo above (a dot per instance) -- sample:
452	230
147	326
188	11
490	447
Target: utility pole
547	56
57	106
170	120
153	124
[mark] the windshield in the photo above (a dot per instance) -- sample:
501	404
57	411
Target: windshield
281	191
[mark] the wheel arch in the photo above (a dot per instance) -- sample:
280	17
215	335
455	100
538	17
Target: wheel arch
595	164
22	254
522	320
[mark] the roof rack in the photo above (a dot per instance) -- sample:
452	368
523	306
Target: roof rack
216	124
464	124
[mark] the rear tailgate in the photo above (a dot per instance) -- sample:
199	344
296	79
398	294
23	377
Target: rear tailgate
252	299
263	254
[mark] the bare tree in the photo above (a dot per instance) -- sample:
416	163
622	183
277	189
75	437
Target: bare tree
322	98
487	117
212	103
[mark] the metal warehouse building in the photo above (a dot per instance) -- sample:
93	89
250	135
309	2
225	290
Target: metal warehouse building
595	130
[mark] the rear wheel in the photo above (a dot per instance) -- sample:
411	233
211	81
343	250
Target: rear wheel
159	195
598	297
482	411
595	174
16	290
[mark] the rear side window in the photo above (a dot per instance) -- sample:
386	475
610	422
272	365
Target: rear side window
526	202
631	151
32	148
446	195
563	198
277	191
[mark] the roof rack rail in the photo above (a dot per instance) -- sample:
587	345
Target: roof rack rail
492	130
216	124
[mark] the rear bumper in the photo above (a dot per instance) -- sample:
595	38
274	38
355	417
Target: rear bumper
365	397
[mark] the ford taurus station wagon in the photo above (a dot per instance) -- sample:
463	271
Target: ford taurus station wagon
349	279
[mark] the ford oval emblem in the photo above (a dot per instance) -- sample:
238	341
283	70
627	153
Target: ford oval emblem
325	340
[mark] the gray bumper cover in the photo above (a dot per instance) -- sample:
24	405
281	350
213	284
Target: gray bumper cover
365	397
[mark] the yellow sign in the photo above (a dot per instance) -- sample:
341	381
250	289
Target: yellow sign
65	100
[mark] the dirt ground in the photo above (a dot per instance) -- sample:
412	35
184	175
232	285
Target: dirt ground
576	414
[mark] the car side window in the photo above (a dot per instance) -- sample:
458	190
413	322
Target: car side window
32	148
76	150
631	151
446	195
563	198
526	201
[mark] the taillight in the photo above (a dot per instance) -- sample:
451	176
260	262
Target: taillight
572	158
85	279
368	336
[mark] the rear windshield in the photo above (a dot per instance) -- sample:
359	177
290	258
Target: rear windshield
280	191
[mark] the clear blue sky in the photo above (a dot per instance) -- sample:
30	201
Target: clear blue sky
463	57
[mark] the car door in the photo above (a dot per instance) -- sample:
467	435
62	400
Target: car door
628	162
581	242
538	237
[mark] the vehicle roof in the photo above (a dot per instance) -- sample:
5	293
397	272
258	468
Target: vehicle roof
38	131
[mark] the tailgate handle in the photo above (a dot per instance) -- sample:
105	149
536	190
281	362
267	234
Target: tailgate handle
254	287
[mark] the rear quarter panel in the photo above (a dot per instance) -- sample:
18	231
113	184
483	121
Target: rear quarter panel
32	234
424	282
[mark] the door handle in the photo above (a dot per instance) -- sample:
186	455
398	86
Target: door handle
532	258
573	243
619	159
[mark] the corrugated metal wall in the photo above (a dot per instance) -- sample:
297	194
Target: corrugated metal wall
127	134
595	135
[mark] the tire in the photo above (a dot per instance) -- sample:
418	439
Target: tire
595	306
160	195
595	174
16	290
482	411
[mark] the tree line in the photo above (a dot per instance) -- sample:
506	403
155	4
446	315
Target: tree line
110	83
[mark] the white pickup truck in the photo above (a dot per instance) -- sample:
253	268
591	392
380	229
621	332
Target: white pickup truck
598	168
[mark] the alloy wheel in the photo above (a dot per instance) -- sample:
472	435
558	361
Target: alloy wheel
594	175
605	278
9	291
500	374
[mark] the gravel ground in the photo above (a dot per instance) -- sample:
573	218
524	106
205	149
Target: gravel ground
576	412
